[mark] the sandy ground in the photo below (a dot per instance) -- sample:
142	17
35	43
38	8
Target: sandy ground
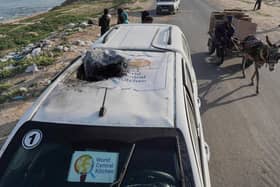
268	18
12	111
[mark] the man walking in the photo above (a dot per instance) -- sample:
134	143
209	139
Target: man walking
104	21
258	4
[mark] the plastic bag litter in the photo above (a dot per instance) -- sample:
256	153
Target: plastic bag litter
100	65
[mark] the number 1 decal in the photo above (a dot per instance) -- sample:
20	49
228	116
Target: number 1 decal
32	139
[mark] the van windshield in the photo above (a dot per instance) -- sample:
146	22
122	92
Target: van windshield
66	156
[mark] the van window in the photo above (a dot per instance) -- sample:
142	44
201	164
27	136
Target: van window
188	95
97	157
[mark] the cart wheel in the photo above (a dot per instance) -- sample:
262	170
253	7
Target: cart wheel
211	46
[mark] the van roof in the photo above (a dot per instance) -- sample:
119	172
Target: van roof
142	98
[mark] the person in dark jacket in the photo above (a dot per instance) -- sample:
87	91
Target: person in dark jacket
146	18
224	32
258	4
104	21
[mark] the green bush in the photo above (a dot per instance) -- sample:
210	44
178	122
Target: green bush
21	65
4	87
6	73
9	95
43	60
3	99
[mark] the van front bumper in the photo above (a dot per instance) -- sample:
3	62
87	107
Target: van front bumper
165	8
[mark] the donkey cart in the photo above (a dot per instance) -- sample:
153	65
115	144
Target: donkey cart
224	47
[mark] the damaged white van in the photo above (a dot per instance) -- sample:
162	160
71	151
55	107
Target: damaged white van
124	114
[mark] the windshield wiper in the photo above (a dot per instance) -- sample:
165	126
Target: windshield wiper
123	172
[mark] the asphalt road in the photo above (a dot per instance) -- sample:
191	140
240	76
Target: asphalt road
241	128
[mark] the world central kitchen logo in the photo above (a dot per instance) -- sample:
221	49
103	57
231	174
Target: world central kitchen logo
94	167
83	166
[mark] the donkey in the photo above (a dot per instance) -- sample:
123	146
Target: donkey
256	51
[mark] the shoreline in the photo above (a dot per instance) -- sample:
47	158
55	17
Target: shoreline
31	15
16	20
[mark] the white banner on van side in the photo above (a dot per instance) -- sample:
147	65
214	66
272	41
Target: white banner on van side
144	73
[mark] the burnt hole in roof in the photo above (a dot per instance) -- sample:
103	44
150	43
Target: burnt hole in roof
100	65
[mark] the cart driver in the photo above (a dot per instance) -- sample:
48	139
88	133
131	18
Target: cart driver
224	32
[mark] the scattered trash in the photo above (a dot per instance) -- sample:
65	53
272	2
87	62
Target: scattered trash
78	29
65	49
3	36
33	33
23	90
84	25
28	56
36	52
10	67
4	59
18	97
79	43
18	57
70	26
69	30
59	48
72	48
32	68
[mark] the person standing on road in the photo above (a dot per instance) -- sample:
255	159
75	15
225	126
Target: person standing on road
146	18
122	16
104	21
258	4
125	14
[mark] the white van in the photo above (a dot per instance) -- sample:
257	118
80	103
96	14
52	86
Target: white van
167	6
142	128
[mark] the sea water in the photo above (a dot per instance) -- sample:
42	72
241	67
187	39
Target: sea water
11	9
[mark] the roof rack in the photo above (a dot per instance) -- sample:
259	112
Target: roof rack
170	36
105	39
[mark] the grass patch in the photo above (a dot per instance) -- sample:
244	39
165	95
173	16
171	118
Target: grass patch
20	66
136	8
4	87
10	95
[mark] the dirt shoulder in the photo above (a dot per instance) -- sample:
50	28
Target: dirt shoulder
267	18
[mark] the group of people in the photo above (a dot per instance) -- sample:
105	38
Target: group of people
105	19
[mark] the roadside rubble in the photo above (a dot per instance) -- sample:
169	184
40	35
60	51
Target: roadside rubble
36	49
57	43
32	69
